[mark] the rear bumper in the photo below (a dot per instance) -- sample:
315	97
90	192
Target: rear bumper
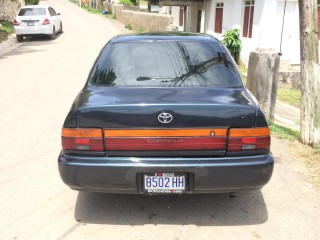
124	174
26	31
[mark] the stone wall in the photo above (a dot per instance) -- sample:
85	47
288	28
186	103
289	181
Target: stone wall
141	20
9	8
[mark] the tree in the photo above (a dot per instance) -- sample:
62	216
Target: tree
310	73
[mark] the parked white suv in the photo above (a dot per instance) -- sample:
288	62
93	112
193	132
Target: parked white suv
37	20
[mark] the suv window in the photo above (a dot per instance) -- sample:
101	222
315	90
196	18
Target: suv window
165	64
32	12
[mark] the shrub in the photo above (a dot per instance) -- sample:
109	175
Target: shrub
128	26
130	2
32	2
231	39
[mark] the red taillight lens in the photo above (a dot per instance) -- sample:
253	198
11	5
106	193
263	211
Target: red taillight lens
242	139
46	22
15	23
82	139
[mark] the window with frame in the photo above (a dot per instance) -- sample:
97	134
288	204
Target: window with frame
181	16
248	19
218	18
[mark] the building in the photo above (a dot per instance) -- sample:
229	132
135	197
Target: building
260	22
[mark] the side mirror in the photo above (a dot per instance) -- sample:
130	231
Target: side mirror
58	14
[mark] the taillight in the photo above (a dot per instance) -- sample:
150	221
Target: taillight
165	139
46	22
81	139
249	139
15	23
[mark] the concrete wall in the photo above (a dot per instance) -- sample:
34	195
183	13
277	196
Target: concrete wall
9	8
146	21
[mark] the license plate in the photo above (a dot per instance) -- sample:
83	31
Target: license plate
30	23
164	183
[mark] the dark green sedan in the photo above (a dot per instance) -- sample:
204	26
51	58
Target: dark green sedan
165	113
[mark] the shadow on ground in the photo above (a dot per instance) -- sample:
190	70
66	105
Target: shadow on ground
27	45
246	208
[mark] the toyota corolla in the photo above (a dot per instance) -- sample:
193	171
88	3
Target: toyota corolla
165	113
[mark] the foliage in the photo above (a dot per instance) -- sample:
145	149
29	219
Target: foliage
130	2
128	26
231	39
139	30
289	96
32	2
7	29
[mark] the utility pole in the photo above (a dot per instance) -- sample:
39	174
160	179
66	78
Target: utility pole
310	73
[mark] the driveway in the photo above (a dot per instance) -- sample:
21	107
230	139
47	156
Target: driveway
39	79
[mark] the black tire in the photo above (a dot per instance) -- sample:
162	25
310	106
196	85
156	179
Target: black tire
61	28
53	35
19	38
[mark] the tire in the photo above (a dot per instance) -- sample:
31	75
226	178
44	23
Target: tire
19	38
61	28
53	35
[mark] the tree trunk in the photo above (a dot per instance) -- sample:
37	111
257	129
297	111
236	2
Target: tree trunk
310	73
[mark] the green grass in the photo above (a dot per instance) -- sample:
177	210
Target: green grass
6	30
128	26
289	96
283	132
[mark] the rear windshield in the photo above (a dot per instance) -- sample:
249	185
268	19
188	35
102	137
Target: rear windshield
32	11
164	64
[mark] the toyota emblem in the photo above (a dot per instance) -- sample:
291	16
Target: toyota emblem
165	117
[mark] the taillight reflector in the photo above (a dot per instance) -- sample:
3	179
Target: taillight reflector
15	23
46	22
82	139
241	139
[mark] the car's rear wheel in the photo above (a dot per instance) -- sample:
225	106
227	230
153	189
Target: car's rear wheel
61	28
19	38
53	35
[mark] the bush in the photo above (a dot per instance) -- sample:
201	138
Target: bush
32	2
231	39
130	2
128	26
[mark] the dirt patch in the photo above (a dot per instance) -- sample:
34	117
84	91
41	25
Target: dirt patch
307	155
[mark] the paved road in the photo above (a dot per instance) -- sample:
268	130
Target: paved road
39	80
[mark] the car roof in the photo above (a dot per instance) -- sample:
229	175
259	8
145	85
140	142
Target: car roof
35	6
171	36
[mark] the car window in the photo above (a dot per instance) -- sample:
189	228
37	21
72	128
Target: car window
32	12
165	64
52	12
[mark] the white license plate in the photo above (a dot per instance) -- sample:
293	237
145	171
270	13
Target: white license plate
164	183
30	23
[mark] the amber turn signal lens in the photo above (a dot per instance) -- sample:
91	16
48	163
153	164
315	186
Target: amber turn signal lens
249	132
81	133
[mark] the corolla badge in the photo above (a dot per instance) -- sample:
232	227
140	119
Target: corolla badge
165	117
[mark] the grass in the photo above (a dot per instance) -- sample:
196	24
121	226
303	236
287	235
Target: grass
6	30
283	132
289	96
128	26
